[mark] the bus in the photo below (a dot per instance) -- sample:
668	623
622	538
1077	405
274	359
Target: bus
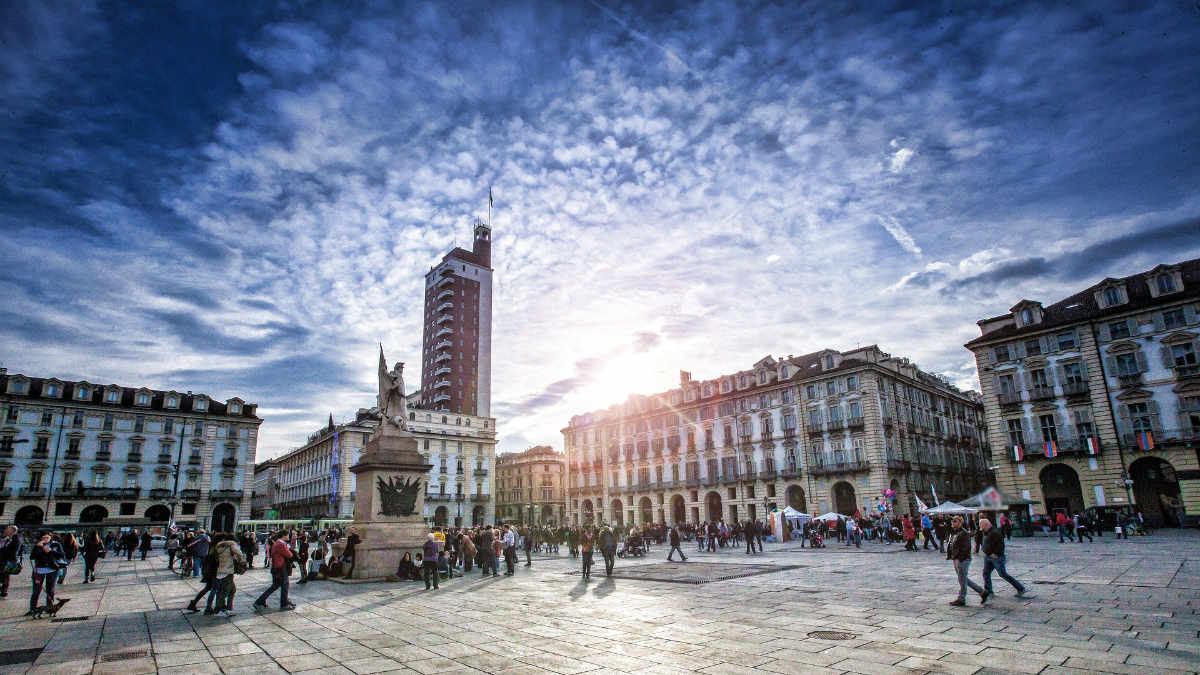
265	527
340	523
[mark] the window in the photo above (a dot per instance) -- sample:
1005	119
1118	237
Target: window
1016	435
1007	384
1083	423
828	362
160	481
172	402
139	425
47	418
762	377
1127	364
787	395
193	481
1033	347
99	479
835	413
108	422
855	410
143	399
41	446
1183	355
77	421
1049	432
852	383
1118	329
814	417
1111	297
1066	341
1174	319
35	480
81	393
1073	373
12	415
811	391
113	395
1139	417
52	390
131	480
831	387
1002	354
1037	378
1165	283
1026	316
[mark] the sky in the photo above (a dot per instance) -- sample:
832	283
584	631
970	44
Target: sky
242	199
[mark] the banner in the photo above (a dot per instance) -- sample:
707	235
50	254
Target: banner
333	469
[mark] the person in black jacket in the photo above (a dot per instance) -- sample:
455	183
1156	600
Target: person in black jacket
46	558
993	552
674	539
92	549
10	553
959	551
146	543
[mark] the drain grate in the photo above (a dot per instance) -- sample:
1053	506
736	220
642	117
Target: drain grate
15	657
1050	583
832	635
124	656
68	619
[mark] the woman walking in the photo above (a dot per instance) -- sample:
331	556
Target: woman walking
46	556
70	546
93	550
586	542
10	557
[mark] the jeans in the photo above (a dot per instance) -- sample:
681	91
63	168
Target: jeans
171	558
962	567
225	590
429	571
279	579
89	568
676	548
997	563
587	564
1063	531
510	560
749	544
610	556
487	561
48	581
197	563
210	589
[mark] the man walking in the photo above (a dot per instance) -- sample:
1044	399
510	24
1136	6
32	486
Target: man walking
993	552
1064	524
281	556
528	546
959	551
608	548
509	539
673	537
198	549
486	559
927	532
853	533
749	531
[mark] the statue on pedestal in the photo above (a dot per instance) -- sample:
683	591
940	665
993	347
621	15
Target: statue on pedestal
393	409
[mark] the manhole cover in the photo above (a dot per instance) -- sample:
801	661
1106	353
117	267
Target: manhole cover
832	635
18	656
124	656
67	619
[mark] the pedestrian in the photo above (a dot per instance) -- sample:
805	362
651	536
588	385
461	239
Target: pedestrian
146	542
485	553
230	561
198	549
429	562
281	558
70	546
46	558
467	548
172	550
509	539
1063	523
93	550
927	532
1083	528
587	542
959	551
10	557
853	533
608	548
910	534
208	574
302	556
994	559
248	546
528	546
674	540
348	555
129	542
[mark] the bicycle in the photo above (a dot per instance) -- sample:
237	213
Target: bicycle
185	566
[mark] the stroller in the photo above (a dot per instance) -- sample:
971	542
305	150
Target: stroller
815	540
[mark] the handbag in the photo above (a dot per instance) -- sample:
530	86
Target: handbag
12	567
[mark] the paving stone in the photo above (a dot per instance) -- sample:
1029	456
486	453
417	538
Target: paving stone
301	662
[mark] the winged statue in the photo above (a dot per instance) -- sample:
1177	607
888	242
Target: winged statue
393	409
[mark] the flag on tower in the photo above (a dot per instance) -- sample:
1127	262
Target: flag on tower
490	202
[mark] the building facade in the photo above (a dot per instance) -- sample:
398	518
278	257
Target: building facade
825	431
456	352
530	486
1095	399
314	480
78	453
266	486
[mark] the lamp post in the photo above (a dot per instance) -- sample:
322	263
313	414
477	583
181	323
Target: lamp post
62	420
178	465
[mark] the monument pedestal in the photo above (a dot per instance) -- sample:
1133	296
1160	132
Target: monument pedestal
389	503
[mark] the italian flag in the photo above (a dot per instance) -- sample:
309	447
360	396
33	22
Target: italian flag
1051	449
1145	440
1018	453
1092	445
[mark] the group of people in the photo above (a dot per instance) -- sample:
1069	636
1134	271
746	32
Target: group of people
50	556
992	542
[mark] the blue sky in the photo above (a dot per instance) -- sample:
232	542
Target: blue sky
243	201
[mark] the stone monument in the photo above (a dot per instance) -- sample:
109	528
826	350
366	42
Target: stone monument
389	485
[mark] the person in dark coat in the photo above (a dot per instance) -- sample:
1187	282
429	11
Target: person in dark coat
673	537
959	551
92	550
429	562
146	542
10	554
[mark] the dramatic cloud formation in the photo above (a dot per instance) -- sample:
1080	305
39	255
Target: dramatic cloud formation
243	201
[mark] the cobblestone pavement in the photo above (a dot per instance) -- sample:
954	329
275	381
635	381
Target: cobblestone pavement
1112	606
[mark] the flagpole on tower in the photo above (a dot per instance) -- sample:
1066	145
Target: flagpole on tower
490	207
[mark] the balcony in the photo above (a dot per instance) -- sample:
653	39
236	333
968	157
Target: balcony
160	493
1009	398
442	356
480	498
693	482
5	493
438	497
1186	372
816	430
41	454
448	293
189	494
898	464
444	344
1129	380
164	458
767	475
110	493
839	467
135	457
31	493
854	422
441	384
444	306
836	425
441	397
888	421
479	473
444	282
729	478
234	495
443	318
103	456
195	459
72	455
229	461
1037	393
790	472
443	370
1076	388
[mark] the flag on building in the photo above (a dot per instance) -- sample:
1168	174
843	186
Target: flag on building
1145	440
1018	453
1051	449
1091	445
920	504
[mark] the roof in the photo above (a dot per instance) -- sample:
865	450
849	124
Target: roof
1081	307
157	397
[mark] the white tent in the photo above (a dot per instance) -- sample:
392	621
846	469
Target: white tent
793	514
831	516
948	508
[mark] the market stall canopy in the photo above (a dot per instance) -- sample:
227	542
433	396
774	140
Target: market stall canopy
831	516
949	508
992	499
792	514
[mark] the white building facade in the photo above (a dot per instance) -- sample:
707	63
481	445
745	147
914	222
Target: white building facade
78	453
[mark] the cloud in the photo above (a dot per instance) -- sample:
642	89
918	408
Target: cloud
207	193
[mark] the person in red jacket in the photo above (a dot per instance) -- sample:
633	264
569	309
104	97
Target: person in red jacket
1065	527
281	557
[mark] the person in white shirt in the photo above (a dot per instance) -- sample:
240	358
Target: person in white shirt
509	541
